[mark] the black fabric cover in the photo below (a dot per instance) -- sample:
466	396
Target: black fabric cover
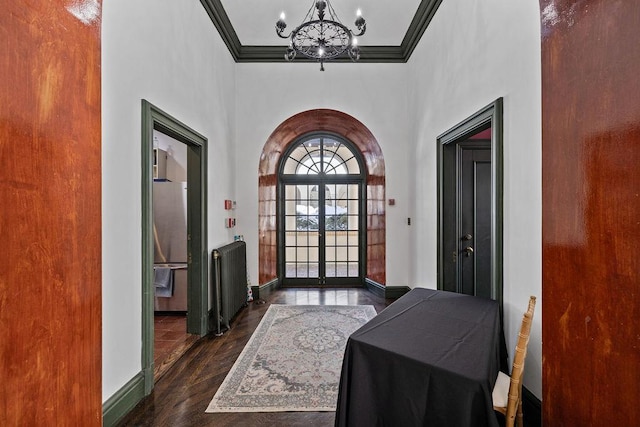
429	359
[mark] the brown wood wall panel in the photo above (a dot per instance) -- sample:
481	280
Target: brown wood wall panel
285	134
591	208
50	223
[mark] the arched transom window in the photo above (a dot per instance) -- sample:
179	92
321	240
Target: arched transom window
322	155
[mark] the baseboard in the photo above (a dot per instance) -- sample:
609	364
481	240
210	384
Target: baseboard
395	292
531	408
263	291
212	320
392	292
374	287
123	401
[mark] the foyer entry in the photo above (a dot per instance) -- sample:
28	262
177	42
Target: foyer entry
360	140
321	205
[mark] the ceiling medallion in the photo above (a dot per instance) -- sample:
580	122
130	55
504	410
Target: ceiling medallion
322	39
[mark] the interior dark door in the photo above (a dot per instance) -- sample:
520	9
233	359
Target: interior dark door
474	242
466	222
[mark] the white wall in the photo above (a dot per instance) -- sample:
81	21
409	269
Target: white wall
471	54
170	54
375	94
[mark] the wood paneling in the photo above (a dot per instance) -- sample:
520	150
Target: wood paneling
50	224
285	134
591	207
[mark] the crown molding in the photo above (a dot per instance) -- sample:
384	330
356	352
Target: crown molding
421	20
378	54
221	21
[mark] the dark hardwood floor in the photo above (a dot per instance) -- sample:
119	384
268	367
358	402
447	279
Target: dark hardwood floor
181	396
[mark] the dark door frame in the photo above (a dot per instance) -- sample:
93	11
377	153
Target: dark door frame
489	115
197	257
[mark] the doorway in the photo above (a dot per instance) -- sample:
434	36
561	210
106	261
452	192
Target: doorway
321	205
191	260
170	267
470	205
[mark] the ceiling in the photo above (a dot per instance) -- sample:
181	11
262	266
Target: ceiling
248	26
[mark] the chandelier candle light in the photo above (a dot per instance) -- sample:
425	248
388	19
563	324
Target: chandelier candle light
320	38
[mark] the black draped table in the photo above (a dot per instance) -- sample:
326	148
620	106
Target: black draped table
429	359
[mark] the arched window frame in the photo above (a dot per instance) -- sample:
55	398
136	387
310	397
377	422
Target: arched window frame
319	178
282	136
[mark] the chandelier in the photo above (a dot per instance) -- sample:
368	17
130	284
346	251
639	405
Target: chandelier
322	38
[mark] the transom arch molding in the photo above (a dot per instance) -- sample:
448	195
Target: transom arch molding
349	128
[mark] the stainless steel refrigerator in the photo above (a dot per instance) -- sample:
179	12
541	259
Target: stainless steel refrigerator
170	244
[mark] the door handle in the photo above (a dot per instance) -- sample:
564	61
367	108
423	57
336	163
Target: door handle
468	250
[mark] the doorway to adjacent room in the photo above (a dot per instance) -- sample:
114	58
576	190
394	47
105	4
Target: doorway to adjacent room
170	267
470	205
182	252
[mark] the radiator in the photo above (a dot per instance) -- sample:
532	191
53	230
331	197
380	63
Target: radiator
230	278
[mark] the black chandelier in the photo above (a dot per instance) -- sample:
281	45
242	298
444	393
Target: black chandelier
320	38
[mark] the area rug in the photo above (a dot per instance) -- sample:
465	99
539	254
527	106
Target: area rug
292	361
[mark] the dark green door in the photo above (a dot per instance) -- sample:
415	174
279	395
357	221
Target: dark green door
467	218
474	242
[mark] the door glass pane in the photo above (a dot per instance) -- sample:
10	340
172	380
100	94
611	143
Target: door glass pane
341	222
324	155
301	231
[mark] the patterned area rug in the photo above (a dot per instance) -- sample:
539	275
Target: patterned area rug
292	361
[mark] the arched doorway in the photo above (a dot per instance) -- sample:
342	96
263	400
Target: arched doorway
322	208
362	141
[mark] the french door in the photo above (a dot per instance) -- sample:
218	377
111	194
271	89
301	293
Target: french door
321	213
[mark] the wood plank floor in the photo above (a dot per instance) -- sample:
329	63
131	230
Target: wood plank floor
181	396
